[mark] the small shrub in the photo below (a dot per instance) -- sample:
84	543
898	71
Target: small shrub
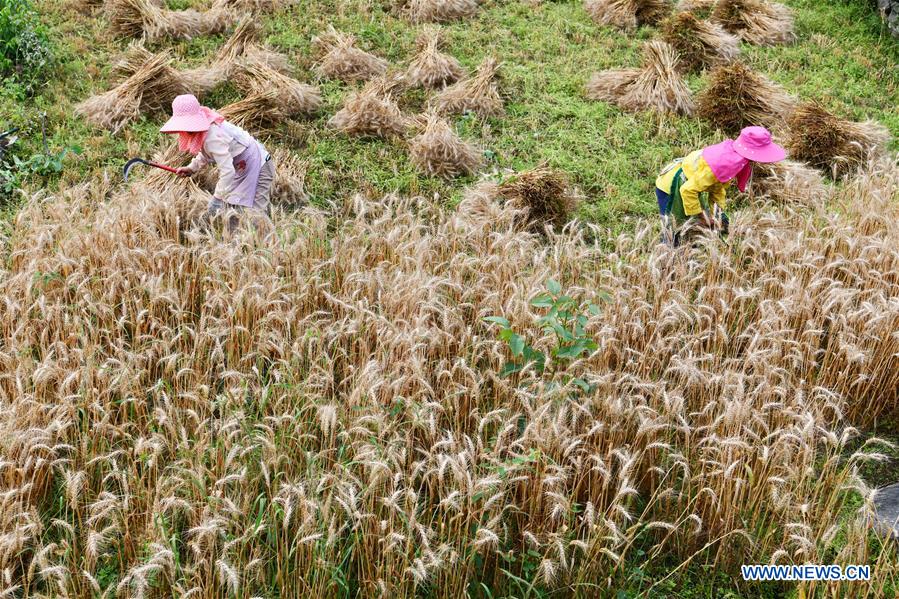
566	321
25	52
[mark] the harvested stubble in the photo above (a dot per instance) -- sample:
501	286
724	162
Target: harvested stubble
372	112
147	20
133	395
477	94
252	76
150	89
431	67
628	14
738	97
836	146
788	182
756	21
341	59
543	195
699	43
440	11
438	150
657	85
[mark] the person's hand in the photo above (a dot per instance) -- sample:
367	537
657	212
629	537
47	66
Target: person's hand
184	171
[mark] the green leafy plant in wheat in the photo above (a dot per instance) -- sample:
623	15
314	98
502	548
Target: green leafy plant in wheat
565	319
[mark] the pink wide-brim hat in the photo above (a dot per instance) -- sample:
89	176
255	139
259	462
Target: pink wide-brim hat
755	144
188	116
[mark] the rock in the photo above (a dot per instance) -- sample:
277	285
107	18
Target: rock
886	503
890	11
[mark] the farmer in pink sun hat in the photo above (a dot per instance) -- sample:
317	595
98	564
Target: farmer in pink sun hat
709	171
246	170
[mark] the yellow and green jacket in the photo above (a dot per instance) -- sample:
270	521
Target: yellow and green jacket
699	178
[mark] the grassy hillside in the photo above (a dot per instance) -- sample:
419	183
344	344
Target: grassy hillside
843	58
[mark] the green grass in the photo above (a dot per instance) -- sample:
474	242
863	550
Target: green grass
843	58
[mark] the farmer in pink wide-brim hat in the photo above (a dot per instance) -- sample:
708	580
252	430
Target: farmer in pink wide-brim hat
681	187
246	170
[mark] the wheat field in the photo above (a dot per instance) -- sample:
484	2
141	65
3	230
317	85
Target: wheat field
320	412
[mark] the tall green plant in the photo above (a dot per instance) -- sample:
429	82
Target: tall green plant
26	55
565	319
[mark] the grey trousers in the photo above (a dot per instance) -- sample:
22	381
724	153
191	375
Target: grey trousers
259	214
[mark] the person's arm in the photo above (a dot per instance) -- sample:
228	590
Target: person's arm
197	163
718	194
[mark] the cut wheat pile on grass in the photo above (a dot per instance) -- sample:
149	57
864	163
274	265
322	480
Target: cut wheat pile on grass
738	97
341	59
149	90
699	43
756	21
431	67
439	11
628	14
242	45
478	94
438	149
657	85
252	75
543	195
256	408
372	112
256	6
256	111
833	145
148	20
289	186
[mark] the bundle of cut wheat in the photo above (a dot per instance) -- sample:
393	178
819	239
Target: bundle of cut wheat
146	19
478	93
255	6
756	21
372	112
788	182
431	67
738	97
438	149
259	110
610	85
341	59
835	146
240	46
135	56
657	85
150	89
197	81
699	43
289	186
627	14
544	196
251	75
440	11
701	8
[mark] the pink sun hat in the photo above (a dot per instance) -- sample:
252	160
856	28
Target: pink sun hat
755	144
188	116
